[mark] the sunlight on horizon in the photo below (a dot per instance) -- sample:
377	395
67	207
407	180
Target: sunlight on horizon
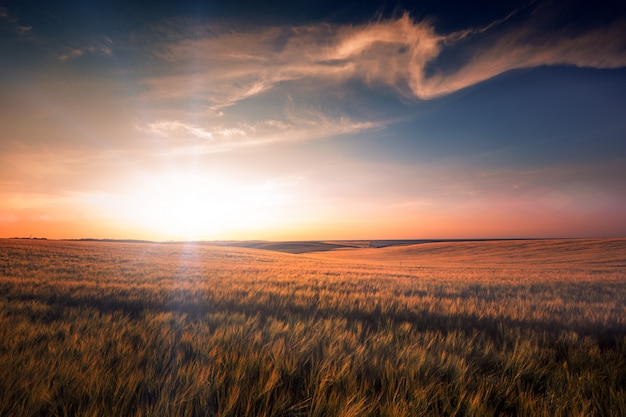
193	205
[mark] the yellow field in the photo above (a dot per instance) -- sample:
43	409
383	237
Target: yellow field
458	328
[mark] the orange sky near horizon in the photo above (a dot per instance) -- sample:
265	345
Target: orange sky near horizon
354	223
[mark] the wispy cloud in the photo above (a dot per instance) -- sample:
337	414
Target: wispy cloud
224	67
184	137
232	66
13	24
102	47
176	128
525	48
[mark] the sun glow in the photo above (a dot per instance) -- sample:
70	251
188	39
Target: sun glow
193	206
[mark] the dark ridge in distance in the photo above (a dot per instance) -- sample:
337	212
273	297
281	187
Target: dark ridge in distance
299	247
109	240
292	247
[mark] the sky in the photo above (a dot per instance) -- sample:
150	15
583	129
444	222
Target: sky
312	120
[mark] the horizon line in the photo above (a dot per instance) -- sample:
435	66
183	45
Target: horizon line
419	240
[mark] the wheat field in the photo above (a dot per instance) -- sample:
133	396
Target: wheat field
517	328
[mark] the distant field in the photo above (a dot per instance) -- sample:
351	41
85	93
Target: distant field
605	255
534	328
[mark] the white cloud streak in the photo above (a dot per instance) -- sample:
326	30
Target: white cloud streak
184	137
176	128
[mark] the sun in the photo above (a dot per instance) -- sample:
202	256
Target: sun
180	205
192	206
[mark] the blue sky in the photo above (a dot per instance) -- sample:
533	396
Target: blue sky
312	120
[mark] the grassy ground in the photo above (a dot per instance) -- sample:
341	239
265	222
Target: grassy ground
534	328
